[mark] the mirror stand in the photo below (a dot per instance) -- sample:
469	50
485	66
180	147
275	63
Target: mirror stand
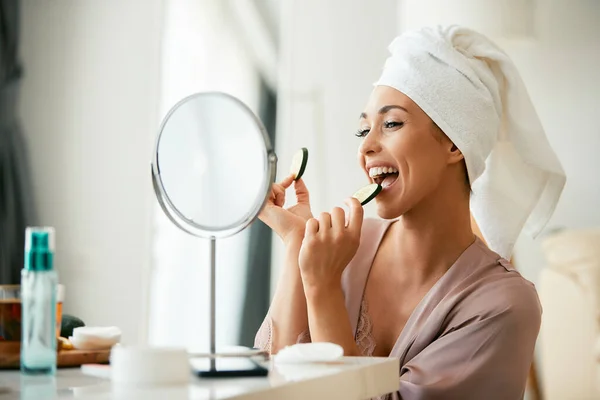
213	302
234	364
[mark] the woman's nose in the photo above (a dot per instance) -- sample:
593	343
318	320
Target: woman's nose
370	144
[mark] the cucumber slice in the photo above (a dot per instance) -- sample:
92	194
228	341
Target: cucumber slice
367	193
299	162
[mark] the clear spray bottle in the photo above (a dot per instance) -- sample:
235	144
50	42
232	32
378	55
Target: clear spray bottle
38	295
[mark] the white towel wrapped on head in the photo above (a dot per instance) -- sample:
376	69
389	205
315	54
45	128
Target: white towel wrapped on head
472	90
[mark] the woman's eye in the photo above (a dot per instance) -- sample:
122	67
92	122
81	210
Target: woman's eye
392	124
362	132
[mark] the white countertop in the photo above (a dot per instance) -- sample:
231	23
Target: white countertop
350	378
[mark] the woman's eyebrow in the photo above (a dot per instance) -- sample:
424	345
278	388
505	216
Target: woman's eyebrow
385	109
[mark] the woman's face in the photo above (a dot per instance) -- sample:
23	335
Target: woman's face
402	150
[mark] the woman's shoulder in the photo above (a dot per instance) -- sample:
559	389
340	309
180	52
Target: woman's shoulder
495	287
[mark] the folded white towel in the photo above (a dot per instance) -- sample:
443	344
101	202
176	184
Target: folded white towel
472	90
95	338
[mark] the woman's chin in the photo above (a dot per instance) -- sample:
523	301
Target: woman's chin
393	201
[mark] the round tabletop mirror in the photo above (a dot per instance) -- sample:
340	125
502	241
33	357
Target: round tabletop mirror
213	165
212	170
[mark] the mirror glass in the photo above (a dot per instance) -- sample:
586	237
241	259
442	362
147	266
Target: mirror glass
213	165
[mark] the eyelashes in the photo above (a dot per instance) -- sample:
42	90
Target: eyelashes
362	133
392	124
386	125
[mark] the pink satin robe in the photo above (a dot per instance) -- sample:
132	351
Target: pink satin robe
471	337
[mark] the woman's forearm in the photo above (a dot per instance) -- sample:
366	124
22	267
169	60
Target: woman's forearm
288	308
328	319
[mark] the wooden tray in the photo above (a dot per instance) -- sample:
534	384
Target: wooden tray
10	356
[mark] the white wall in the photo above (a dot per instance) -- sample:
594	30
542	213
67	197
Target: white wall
89	108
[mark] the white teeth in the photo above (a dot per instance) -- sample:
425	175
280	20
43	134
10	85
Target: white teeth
373	172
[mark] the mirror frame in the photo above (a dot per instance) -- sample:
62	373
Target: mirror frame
174	215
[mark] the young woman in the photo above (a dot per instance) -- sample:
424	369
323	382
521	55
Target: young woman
448	131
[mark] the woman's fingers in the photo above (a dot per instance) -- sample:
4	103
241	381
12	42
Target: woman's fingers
301	190
324	221
312	227
287	181
356	216
278	195
278	191
338	219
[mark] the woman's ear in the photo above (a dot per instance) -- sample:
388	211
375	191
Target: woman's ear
454	154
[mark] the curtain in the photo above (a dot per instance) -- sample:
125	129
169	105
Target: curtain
16	194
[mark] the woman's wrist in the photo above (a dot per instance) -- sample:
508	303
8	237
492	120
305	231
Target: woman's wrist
322	293
292	270
293	242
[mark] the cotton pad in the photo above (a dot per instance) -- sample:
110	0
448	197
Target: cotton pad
309	352
95	338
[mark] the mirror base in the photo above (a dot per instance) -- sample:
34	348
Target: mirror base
233	367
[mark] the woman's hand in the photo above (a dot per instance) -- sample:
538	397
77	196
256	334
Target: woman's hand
288	223
328	246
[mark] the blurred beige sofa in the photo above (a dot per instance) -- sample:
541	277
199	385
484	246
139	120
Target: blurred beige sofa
569	290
